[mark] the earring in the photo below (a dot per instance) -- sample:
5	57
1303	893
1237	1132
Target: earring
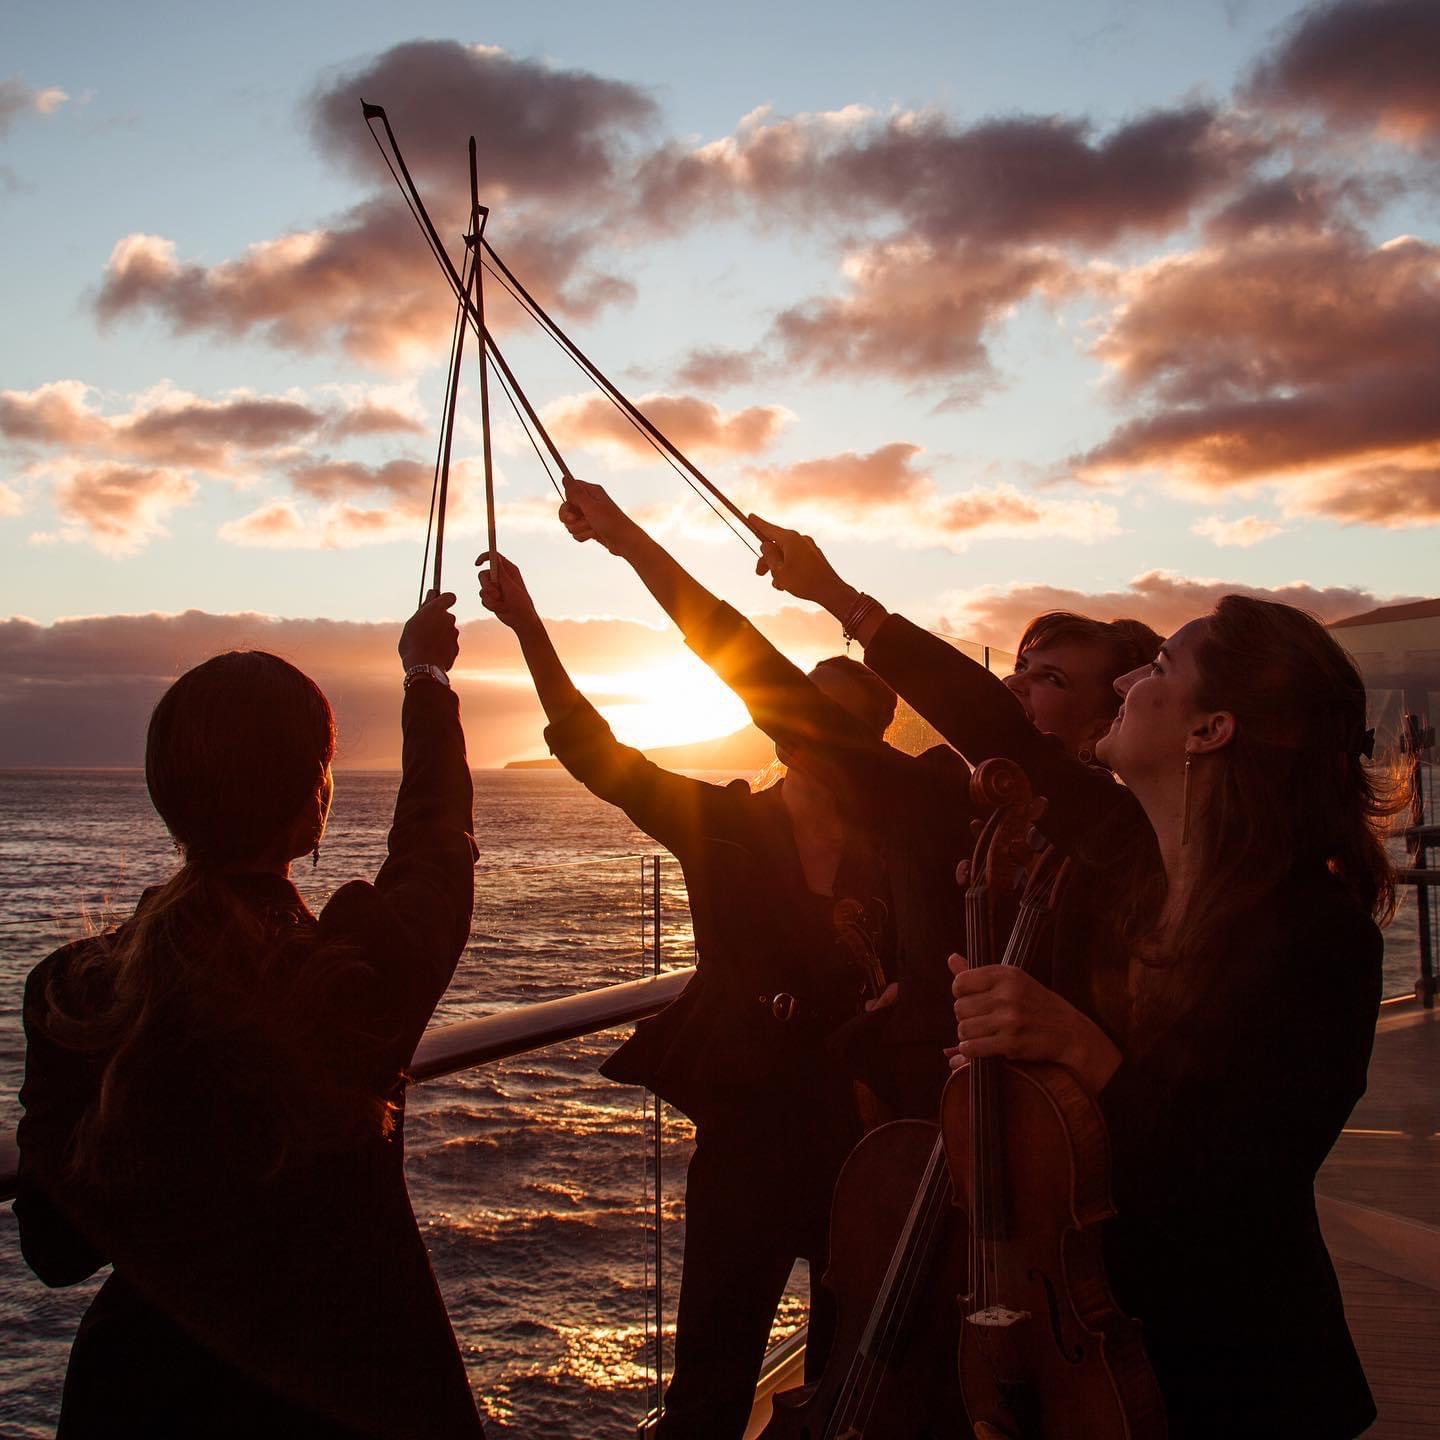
1185	824
1085	754
315	857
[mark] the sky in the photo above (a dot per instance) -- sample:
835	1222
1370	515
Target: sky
1108	306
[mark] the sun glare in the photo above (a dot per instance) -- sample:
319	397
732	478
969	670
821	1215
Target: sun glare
671	704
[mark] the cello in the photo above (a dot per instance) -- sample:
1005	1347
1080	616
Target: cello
1045	1353
899	1248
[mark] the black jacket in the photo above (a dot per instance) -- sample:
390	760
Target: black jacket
1219	1123
721	1049
302	1303
916	810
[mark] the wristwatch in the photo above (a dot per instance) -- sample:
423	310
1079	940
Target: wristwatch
425	672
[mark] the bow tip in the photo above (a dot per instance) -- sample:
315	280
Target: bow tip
372	112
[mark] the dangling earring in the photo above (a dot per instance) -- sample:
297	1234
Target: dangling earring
315	857
1185	825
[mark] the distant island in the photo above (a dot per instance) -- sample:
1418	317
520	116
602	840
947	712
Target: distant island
744	749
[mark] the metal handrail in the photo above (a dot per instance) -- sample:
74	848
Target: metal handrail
450	1048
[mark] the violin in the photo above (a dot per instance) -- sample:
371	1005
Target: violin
899	1246
1045	1353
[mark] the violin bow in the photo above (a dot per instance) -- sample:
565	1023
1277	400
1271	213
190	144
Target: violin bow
474	313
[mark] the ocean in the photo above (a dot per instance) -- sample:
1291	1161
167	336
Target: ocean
531	1178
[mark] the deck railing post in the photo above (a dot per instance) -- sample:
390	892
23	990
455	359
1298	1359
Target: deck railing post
659	1170
1416	740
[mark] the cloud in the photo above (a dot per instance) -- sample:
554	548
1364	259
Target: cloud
337	517
173	427
691	424
540	131
1162	599
1021	180
79	691
885	495
918	312
550	143
1303	360
715	367
974	220
1246	531
119	508
11	502
114	476
1367	64
17	98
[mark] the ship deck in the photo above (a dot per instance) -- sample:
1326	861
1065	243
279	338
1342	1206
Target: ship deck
1379	1200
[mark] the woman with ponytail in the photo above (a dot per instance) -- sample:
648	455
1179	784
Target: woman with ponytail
213	1091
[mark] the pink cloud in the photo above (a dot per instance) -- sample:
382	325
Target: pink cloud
1361	63
119	508
885	495
916	312
692	424
17	98
1163	600
1303	360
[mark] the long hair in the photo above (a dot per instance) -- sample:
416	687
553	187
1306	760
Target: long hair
205	1006
1290	794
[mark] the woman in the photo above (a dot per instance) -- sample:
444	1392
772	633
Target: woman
917	809
1222	1003
213	1092
750	1050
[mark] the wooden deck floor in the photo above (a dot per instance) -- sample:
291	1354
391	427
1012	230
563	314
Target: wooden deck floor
1380	1205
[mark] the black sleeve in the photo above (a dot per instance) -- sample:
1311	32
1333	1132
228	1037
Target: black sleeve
979	716
56	1090
673	809
414	920
1246	1097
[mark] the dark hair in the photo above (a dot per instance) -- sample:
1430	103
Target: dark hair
1129	644
204	999
880	699
235	750
1290	794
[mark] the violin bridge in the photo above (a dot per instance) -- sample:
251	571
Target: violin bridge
998	1317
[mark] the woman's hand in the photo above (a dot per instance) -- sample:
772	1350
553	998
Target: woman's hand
590	514
430	636
797	565
503	592
1000	1010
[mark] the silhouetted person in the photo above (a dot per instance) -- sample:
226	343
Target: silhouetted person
750	1050
213	1092
916	809
1216	988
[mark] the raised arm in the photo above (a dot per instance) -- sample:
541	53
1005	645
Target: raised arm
413	921
967	704
668	807
782	700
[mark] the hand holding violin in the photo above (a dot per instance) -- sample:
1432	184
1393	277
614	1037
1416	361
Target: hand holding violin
1000	1010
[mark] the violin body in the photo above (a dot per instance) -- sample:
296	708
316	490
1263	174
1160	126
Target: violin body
886	1382
1051	1357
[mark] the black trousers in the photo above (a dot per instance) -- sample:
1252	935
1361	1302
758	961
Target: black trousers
756	1200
